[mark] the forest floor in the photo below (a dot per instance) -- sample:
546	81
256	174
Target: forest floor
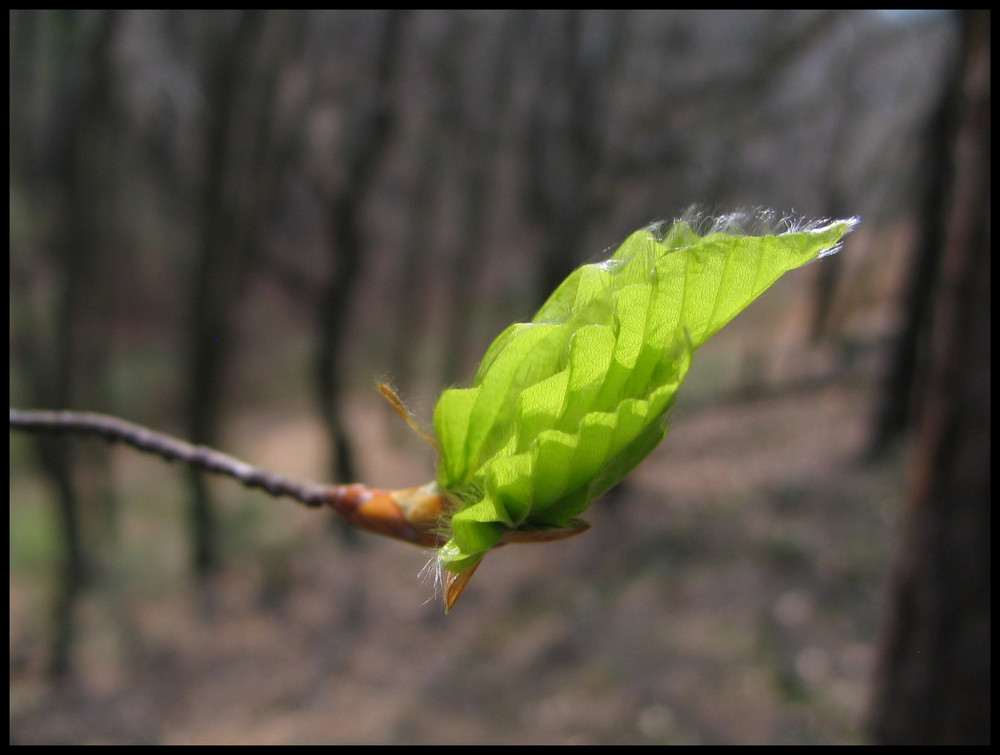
729	592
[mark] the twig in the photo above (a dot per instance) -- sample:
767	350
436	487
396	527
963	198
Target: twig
113	429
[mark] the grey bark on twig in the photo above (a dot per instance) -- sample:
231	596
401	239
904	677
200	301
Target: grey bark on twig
117	430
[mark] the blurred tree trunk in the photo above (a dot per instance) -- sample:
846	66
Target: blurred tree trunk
838	203
475	122
76	133
369	132
899	397
417	261
933	678
566	138
221	262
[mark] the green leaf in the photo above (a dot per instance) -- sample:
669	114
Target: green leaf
563	407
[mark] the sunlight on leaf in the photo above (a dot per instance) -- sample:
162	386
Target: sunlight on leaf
563	407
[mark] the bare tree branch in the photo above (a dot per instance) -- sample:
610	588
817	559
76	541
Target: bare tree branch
113	429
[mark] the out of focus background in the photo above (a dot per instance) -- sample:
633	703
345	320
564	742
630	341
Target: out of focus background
227	225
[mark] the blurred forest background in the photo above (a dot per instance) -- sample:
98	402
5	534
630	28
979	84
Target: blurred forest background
226	225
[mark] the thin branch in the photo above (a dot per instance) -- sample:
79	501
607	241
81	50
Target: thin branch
113	429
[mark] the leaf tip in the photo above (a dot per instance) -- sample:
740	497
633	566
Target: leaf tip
455	584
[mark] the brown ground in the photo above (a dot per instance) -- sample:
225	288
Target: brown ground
728	594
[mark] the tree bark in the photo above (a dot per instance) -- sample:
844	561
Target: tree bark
899	395
369	136
220	267
80	131
933	678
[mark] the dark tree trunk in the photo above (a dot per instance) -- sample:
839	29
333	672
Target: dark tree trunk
370	134
933	679
81	134
899	396
480	112
566	145
220	269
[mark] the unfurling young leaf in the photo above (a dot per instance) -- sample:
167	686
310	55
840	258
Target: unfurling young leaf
562	407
